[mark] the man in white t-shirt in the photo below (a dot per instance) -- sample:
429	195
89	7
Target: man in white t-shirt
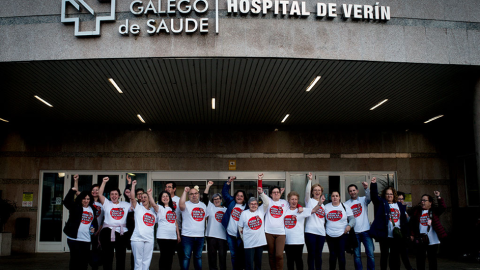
171	187
359	206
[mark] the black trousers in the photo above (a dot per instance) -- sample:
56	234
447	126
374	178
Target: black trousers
390	249
118	248
429	251
294	256
404	257
336	246
167	251
217	246
79	254
95	254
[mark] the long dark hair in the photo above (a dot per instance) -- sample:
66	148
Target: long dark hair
170	202
82	196
244	196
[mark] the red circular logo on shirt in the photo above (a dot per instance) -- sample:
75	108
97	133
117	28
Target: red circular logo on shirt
219	216
334	215
198	214
395	214
236	212
255	223
171	216
98	210
117	213
87	217
290	221
174	205
357	209
320	213
276	211
424	219
148	219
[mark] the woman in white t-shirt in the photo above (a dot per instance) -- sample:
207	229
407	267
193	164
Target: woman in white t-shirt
112	237
340	221
168	235
143	235
294	230
251	228
315	225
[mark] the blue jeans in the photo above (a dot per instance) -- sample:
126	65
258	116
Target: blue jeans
235	245
194	244
364	237
314	244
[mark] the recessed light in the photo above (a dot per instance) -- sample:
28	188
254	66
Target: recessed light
46	103
380	103
275	129
1	119
213	103
312	84
434	118
285	118
115	85
141	119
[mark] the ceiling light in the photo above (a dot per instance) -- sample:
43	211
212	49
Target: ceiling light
213	103
380	103
131	174
275	129
61	174
286	116
434	118
141	119
3	120
48	104
115	85
312	84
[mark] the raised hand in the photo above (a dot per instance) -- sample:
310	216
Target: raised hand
322	199
210	183
310	176
129	179
149	191
365	185
105	179
374	180
134	182
260	176
75	177
282	190
260	190
436	193
74	188
187	189
231	179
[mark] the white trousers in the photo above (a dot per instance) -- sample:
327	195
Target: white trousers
142	254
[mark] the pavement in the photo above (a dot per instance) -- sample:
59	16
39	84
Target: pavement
60	261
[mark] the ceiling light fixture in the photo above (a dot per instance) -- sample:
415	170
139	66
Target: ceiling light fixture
286	116
3	120
213	103
380	103
115	85
312	84
46	103
434	118
141	119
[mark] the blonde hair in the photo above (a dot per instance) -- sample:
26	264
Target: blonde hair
293	193
314	186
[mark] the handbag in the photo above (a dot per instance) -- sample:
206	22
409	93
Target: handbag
352	242
423	239
397	233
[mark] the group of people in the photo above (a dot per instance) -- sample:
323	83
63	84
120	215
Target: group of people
98	228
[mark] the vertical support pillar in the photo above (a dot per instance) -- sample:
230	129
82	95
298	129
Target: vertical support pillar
476	127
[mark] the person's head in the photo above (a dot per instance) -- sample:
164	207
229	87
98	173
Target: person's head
293	199
138	193
240	197
171	187
84	199
426	202
353	191
335	197
94	191
145	200
166	199
390	194
194	194
217	199
316	191
115	195
275	193
253	204
401	197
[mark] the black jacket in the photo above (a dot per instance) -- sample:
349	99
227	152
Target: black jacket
75	215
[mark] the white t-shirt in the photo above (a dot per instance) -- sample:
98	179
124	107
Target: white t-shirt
336	219
359	209
232	227
316	221
193	219
144	224
294	224
395	215
83	234
214	225
116	214
432	235
274	217
166	218
253	228
100	213
176	208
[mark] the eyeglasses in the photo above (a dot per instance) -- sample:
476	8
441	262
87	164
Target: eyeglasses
401	199
424	200
275	192
389	194
217	199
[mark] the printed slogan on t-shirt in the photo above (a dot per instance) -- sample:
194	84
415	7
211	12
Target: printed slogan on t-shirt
117	213
290	221
198	214
236	212
320	213
148	219
276	211
87	217
395	214
334	215
219	216
357	209
255	223
171	216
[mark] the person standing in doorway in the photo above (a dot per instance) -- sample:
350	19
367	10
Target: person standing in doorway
171	188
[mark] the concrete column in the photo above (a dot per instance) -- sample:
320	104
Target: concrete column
476	127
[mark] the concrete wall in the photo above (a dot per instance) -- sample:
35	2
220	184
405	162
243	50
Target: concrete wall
420	160
420	31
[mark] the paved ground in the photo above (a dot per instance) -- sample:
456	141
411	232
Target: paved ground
60	261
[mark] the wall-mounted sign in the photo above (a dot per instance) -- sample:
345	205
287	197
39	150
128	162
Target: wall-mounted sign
27	199
232	165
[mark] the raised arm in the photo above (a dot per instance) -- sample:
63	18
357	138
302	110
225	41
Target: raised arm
69	199
205	198
226	190
183	199
367	193
152	201
319	204
75	183
128	189
101	198
441	204
374	191
133	200
264	198
308	188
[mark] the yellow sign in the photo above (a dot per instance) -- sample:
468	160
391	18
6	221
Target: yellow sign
27	200
232	165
